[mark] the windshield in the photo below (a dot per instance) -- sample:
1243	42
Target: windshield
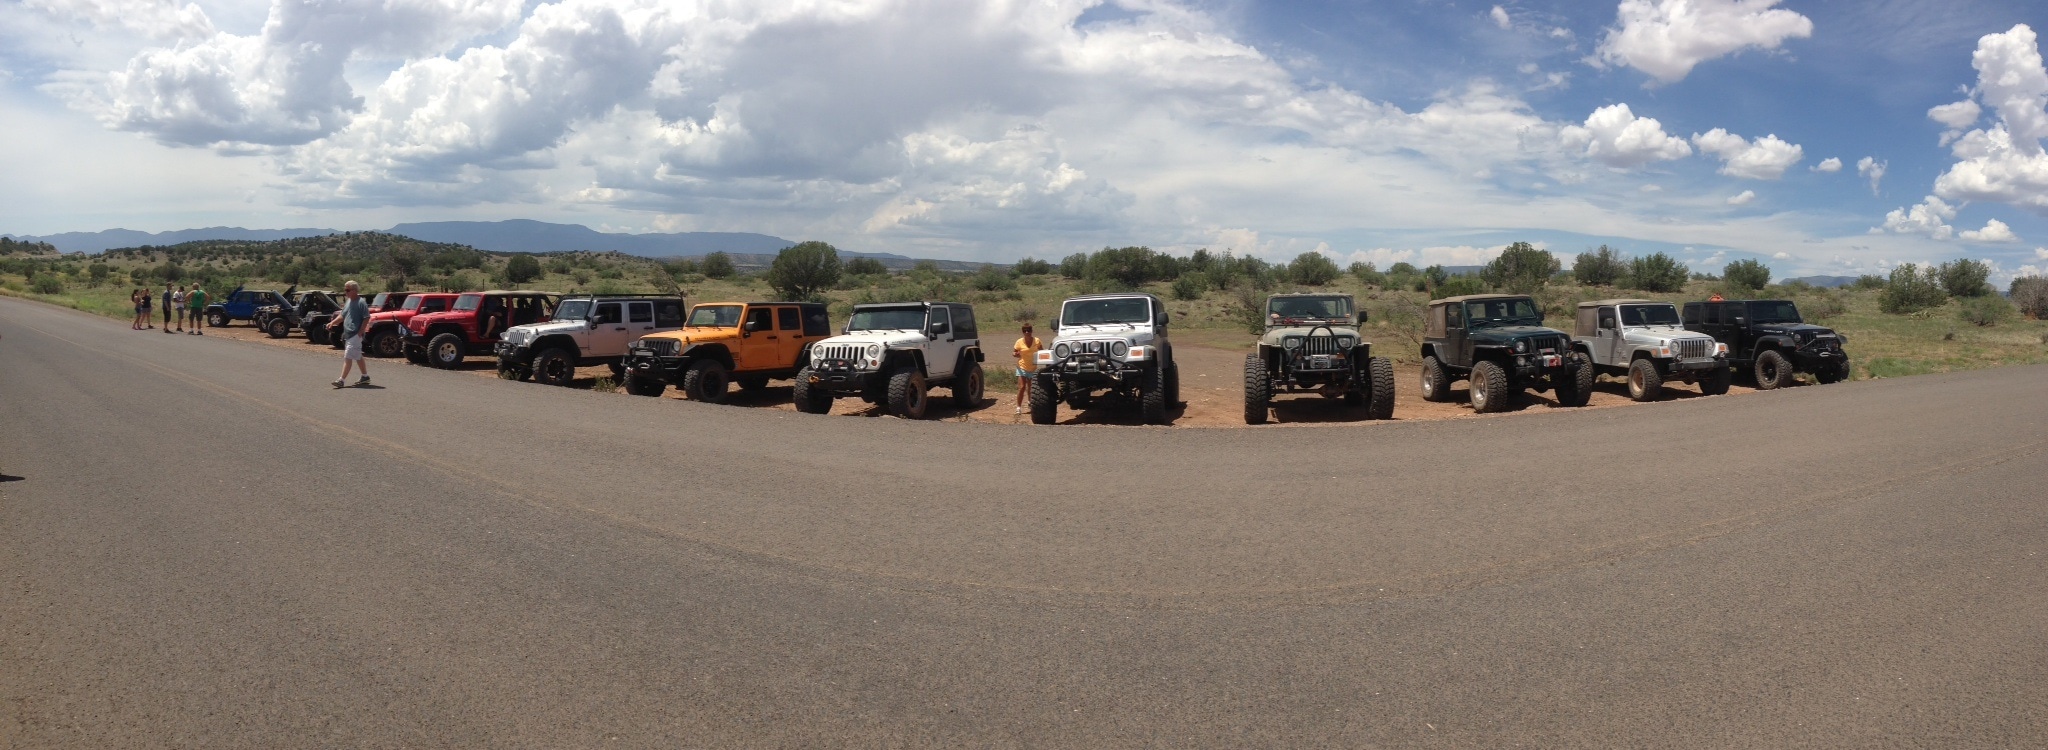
412	303
1773	312
904	318
575	309
1649	315
1335	307
468	301
1089	312
714	316
1502	312
377	302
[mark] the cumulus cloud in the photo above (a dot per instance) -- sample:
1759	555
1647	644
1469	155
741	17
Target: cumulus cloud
1781	255
1828	165
1500	17
1615	136
1668	38
1871	169
1742	199
1993	231
159	19
2005	162
1930	217
1766	158
1957	115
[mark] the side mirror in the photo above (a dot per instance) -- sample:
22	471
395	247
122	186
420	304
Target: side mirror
1165	318
591	323
939	329
751	326
1361	317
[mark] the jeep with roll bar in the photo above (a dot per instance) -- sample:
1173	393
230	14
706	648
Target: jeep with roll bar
587	330
384	333
1107	345
891	353
1768	339
1312	345
1498	343
1643	341
724	342
472	326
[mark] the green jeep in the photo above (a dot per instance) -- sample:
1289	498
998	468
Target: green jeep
1498	342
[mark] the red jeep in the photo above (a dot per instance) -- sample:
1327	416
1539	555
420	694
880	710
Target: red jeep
471	327
384	334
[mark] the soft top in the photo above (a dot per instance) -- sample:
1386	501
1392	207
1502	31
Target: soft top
1740	301
1477	298
924	303
1113	295
514	293
1607	302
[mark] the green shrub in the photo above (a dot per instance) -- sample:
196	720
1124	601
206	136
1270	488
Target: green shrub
1747	274
1457	286
1657	272
1910	290
1190	286
1521	268
1599	268
1368	275
1074	266
46	283
1313	269
1988	310
717	266
2030	294
865	267
1868	281
1031	267
1964	277
991	279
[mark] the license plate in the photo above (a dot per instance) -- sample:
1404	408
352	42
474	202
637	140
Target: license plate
1552	360
1320	363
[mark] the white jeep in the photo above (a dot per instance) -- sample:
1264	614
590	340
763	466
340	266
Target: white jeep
1644	341
1107	344
891	354
586	330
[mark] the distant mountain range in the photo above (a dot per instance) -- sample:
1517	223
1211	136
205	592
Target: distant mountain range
514	236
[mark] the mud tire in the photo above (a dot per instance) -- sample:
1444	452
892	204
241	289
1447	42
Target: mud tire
907	395
705	381
1152	401
1436	385
1773	371
810	400
1645	383
445	351
1380	404
642	386
277	327
1045	399
385	343
553	367
1489	388
968	384
1258	389
1716	383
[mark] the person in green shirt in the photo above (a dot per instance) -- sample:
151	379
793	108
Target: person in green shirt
196	303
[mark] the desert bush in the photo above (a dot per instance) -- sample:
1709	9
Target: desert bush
1074	266
522	268
1368	275
1988	310
609	286
1521	268
99	273
865	267
1910	290
804	270
1747	274
1598	268
1312	269
1867	282
1026	315
1458	286
1031	267
46	283
1247	306
2030	294
991	279
1190	286
717	266
1656	272
1120	268
1825	305
394	284
1964	277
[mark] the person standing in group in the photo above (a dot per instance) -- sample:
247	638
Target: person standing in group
195	308
1027	364
170	302
147	323
178	301
135	306
355	313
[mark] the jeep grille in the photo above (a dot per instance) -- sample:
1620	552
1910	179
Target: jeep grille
836	351
661	347
1320	345
1693	348
1552	342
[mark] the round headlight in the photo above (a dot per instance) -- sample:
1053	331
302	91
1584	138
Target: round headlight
1291	342
1061	351
1119	349
1521	345
874	350
1344	342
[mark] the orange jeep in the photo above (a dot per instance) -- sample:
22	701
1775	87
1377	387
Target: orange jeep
748	342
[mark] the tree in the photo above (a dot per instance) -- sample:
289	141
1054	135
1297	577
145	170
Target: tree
1657	272
1435	276
1747	274
99	273
804	270
1074	266
1313	269
1521	268
1964	278
1368	275
718	266
1125	267
1031	267
2030	294
1458	286
522	268
404	262
865	267
1910	290
1599	268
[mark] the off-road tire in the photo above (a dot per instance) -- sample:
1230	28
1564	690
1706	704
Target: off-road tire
416	355
810	400
1078	400
618	371
1773	371
553	367
1835	374
1380	403
1716	383
1258	389
705	381
968	384
1489	386
277	327
316	335
385	343
217	320
1045	399
1152	400
752	383
1436	385
1173	383
1645	383
1579	390
445	351
907	396
642	386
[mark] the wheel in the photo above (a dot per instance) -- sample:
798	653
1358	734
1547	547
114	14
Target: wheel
316	334
1436	386
386	343
1833	374
967	384
1645	383
1258	389
642	386
1381	403
618	371
810	400
416	355
1489	388
445	351
1045	400
907	397
752	383
277	328
1172	383
553	367
1772	370
1715	383
1152	400
705	381
217	320
1580	389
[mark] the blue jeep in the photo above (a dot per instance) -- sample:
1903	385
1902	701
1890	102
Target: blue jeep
241	304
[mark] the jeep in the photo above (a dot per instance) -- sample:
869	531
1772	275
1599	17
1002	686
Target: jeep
1498	343
472	326
1312	345
1643	341
278	321
1107	344
241	304
891	354
721	342
1768	339
384	332
587	330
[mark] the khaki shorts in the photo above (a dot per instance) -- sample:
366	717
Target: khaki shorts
352	350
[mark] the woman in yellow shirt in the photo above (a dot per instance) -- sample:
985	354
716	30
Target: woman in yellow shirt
1027	363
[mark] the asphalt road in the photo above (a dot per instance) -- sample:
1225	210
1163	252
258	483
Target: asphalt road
208	547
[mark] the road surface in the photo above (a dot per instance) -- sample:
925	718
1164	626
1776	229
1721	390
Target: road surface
203	545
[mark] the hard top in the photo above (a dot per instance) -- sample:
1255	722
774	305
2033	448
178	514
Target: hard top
1310	294
1736	301
715	304
1476	298
513	293
926	303
1610	302
1113	295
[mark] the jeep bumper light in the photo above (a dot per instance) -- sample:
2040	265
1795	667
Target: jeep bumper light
1720	349
1044	357
1138	353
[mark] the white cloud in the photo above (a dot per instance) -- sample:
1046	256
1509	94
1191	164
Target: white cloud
157	19
1743	198
1667	38
2004	163
1993	231
2041	253
1781	255
1766	158
1930	218
1500	18
1957	115
1615	136
1830	164
1873	170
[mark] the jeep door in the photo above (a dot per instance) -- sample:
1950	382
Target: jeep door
758	340
789	332
1608	344
608	332
1457	349
944	349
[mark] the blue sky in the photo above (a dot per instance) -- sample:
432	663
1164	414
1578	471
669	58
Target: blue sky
1425	131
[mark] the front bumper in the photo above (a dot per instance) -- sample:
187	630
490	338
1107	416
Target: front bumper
840	376
512	352
648	365
1093	370
1532	366
1814	357
1697	365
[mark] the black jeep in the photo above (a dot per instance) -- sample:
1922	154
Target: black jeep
1498	342
278	321
1769	339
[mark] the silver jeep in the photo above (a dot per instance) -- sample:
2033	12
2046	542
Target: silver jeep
890	354
1645	342
1107	345
1312	345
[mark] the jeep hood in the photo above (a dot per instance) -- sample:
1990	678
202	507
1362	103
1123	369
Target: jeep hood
523	334
1647	333
1510	333
1792	327
889	338
697	335
1276	334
